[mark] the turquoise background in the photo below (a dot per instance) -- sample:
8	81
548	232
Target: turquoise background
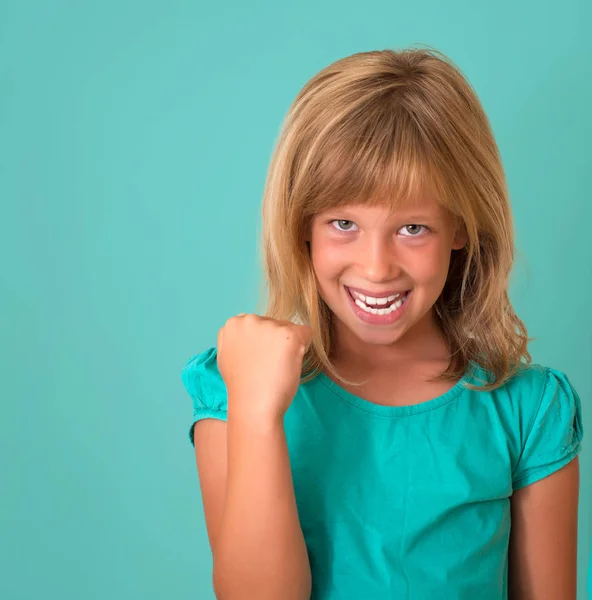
134	144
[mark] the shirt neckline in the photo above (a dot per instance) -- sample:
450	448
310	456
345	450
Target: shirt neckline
397	411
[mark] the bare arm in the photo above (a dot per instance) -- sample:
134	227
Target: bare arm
257	543
543	537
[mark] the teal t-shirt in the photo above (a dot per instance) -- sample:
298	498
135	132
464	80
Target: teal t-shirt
413	501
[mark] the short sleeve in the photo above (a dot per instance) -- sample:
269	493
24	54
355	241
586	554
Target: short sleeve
207	389
556	433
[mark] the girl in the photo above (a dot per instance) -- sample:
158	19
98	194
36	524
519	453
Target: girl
381	432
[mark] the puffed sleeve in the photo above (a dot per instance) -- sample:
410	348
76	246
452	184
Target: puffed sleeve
556	432
207	389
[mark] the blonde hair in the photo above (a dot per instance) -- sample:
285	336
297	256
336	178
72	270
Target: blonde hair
375	128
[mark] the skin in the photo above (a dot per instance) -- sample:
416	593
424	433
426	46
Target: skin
379	251
542	555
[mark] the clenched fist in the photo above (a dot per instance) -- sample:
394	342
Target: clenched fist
260	360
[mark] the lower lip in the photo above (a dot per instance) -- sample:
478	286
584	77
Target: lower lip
378	319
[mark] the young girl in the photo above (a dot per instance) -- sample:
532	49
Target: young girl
381	431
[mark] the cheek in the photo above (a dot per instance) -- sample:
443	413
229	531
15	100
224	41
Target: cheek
431	267
439	267
327	259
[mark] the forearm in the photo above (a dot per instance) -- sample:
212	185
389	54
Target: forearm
260	549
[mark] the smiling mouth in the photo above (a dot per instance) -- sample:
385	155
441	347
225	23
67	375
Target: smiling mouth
379	314
398	296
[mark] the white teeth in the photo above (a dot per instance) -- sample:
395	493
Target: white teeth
381	311
374	301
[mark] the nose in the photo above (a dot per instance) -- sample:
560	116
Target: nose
379	260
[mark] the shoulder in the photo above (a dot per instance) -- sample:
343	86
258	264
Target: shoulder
538	389
203	381
529	381
535	385
549	413
519	396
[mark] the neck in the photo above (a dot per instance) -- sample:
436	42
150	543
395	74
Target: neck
424	343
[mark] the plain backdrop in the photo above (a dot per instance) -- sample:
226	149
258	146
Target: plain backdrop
135	137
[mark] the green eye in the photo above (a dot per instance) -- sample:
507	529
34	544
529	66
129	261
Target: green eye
341	221
347	229
415	225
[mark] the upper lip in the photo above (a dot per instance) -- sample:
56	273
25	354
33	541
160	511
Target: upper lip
377	294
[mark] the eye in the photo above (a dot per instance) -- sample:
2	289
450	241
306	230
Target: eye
415	225
405	226
341	221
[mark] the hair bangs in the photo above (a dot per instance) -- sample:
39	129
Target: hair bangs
373	157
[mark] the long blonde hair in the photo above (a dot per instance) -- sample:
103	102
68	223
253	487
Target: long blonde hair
374	128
